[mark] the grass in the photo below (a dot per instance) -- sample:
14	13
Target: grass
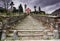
40	15
9	14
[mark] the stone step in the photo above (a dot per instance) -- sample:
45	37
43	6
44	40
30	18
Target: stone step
27	30
30	34
27	38
26	35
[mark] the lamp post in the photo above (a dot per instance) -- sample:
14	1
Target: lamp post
11	4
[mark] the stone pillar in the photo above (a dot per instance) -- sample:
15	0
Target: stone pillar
15	35
56	31
56	35
57	28
3	35
0	25
45	35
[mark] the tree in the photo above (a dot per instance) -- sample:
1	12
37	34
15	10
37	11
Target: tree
14	10
1	10
6	3
35	8
20	8
25	6
39	9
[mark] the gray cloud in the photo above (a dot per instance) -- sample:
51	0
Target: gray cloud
47	2
5	1
51	8
40	2
46	5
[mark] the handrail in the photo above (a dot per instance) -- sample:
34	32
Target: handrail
27	30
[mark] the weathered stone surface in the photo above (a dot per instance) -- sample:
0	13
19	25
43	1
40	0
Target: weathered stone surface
29	25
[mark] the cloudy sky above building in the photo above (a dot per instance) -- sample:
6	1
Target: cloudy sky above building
46	5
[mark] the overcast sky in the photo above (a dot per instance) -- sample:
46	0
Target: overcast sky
46	5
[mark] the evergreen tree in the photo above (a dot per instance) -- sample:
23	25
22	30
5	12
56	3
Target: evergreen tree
25	6
20	9
39	9
35	8
14	9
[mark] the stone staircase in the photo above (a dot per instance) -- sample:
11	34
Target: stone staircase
30	35
30	29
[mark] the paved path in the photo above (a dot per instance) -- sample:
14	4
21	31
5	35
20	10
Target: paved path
29	23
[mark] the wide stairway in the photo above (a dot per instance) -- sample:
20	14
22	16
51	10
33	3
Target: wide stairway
29	29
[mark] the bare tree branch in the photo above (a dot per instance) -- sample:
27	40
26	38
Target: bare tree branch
6	3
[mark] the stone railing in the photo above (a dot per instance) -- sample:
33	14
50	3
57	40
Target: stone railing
8	21
46	20
11	20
